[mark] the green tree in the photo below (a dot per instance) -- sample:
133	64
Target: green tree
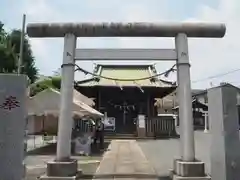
9	51
51	82
8	57
56	82
28	61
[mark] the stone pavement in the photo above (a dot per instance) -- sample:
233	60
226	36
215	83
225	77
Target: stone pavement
125	160
36	162
162	152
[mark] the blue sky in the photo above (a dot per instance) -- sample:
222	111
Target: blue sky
208	56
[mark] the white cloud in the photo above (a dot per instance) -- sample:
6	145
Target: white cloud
47	51
40	11
214	56
208	56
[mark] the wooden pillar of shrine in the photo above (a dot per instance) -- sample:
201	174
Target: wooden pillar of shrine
99	100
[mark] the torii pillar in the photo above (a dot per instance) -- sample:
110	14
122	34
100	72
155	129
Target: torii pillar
187	167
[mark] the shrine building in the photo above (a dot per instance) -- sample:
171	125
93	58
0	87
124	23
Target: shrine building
123	92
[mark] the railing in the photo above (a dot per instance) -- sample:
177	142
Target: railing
161	126
84	126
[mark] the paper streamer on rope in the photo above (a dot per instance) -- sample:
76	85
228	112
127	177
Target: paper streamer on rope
124	107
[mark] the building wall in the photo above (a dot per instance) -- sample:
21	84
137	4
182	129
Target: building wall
203	98
165	108
38	124
34	124
238	98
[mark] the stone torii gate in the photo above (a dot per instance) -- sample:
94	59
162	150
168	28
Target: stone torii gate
187	166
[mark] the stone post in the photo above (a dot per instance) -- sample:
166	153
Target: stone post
64	167
141	128
224	126
187	167
13	115
67	85
185	99
178	117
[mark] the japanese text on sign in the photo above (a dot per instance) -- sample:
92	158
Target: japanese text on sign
10	103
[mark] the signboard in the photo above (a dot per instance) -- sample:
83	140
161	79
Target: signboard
83	144
13	113
141	121
109	124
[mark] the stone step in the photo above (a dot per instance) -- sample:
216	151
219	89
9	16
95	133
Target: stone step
119	136
126	137
57	178
175	177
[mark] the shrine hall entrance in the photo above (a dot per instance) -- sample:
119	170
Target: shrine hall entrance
122	101
124	106
125	114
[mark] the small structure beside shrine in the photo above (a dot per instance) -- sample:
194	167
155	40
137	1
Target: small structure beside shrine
127	101
202	98
43	111
169	105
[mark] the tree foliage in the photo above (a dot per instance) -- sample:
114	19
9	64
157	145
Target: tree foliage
51	82
9	53
8	59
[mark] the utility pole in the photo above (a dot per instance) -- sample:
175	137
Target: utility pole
21	45
19	72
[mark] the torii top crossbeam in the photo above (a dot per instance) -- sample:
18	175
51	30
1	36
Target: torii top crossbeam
214	30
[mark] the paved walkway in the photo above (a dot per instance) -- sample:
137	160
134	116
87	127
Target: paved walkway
125	160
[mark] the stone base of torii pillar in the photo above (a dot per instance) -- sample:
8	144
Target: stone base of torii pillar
184	170
62	171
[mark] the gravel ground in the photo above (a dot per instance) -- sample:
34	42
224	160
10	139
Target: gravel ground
161	153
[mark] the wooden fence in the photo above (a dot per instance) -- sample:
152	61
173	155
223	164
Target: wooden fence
83	126
161	126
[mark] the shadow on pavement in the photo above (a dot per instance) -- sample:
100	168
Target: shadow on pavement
88	164
96	151
164	178
50	149
160	138
123	176
167	136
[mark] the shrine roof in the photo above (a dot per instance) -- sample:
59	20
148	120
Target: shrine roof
125	72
